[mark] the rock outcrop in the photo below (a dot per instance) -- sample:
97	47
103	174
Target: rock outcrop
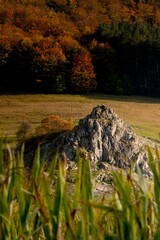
104	137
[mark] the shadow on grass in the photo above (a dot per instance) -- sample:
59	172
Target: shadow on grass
94	96
126	98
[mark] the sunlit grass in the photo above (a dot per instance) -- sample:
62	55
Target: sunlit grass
146	131
143	113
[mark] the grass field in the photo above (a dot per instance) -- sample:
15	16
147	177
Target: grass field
142	113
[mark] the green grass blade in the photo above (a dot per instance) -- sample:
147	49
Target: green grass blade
53	165
70	233
155	167
44	214
20	195
1	156
59	194
143	206
78	183
36	165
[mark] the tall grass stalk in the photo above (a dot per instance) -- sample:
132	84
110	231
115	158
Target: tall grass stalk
38	206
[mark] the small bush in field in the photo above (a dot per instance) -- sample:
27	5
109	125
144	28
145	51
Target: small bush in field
23	131
54	125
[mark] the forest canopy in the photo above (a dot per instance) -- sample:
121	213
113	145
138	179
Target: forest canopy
80	46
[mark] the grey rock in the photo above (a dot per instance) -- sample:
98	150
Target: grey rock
104	137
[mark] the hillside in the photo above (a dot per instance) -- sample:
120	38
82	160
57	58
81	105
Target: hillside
72	46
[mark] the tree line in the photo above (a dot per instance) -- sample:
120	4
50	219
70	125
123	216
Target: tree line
60	46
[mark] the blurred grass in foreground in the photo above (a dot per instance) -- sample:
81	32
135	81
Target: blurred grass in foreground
36	205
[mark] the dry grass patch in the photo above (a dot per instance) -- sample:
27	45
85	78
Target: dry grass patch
142	113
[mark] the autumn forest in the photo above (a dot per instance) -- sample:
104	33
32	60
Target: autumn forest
80	46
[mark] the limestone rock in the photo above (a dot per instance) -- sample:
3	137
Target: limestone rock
104	137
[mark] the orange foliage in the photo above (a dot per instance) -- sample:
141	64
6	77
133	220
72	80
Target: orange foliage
33	16
54	124
69	27
83	76
82	66
6	14
19	16
88	15
157	16
49	56
117	11
100	48
69	45
141	12
48	50
57	33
